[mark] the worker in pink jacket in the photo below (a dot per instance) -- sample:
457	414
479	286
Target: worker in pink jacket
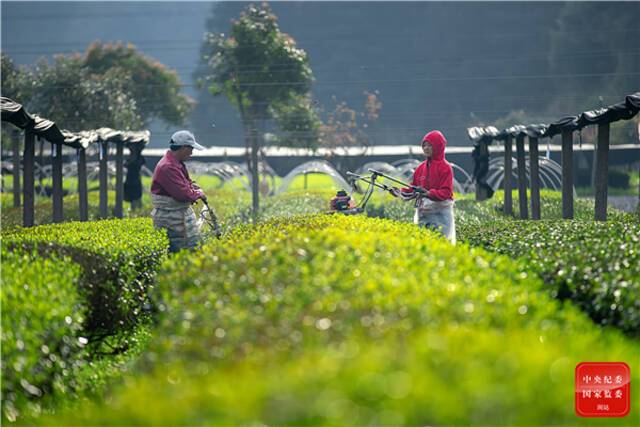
173	193
434	209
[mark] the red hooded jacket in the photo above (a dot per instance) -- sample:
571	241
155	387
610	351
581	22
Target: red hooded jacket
435	174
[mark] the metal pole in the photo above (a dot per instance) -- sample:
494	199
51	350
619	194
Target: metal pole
104	200
508	201
28	210
602	171
567	174
522	178
56	162
16	170
534	172
119	182
82	185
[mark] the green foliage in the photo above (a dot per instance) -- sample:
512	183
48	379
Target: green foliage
256	60
13	79
154	87
594	264
298	122
67	93
618	179
118	260
108	86
42	314
340	320
75	306
262	72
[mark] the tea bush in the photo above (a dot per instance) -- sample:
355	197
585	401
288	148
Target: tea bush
595	264
71	292
42	314
118	259
334	320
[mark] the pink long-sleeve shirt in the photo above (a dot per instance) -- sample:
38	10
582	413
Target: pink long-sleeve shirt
171	178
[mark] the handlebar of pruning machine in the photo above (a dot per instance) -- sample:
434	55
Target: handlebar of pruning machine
370	180
390	178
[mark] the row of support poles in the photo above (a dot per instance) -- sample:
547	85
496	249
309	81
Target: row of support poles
508	202
16	170
534	172
522	178
28	188
56	174
567	174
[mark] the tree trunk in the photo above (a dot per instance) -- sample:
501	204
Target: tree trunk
255	178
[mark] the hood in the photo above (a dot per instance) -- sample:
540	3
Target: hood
438	142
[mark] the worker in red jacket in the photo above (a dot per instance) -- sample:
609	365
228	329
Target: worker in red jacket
434	208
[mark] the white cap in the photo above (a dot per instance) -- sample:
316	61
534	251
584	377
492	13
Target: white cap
184	137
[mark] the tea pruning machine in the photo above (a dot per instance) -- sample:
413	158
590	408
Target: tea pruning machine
343	203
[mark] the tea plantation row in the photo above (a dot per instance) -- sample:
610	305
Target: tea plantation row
333	320
71	292
594	264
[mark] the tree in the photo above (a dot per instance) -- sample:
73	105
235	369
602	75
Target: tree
154	87
345	127
298	122
107	86
68	94
262	72
13	80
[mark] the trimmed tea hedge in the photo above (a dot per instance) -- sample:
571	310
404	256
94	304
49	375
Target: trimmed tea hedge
69	286
470	211
595	264
334	320
118	260
42	314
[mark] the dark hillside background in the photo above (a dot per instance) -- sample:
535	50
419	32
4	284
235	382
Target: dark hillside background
435	65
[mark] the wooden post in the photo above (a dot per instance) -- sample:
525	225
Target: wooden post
508	202
567	174
41	167
534	178
28	195
602	171
119	180
522	178
104	200
56	173
82	185
16	170
481	192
